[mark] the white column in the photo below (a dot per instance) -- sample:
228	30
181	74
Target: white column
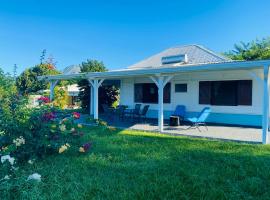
265	117
91	106
160	103
95	85
52	86
160	82
95	99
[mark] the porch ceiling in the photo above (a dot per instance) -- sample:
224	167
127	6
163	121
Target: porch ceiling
168	70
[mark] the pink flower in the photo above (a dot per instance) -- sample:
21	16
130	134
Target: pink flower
76	115
44	99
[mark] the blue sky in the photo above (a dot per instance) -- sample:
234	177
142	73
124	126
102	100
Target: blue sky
122	32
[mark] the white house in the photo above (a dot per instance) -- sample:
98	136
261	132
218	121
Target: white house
191	75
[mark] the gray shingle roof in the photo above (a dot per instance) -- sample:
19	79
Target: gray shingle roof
196	55
72	69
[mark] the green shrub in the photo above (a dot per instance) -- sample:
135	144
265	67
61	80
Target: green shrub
44	130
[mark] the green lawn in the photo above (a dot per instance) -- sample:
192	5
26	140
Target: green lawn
138	165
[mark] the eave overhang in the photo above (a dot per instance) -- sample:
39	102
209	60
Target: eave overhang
168	70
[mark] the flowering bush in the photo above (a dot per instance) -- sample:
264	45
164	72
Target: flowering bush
48	116
36	132
76	115
43	100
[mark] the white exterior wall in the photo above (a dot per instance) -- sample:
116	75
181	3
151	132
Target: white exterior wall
191	98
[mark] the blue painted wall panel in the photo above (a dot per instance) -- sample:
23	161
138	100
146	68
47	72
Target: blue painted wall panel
222	118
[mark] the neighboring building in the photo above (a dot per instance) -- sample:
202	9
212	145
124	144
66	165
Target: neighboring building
73	90
73	95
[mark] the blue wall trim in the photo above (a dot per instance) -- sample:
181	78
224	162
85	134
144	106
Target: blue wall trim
221	118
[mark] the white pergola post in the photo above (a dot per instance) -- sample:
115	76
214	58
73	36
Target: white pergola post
160	82
52	86
91	106
265	117
95	85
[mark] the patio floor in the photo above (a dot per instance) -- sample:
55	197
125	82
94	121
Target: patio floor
223	132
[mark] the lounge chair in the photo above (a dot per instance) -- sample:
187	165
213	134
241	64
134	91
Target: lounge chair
180	111
178	115
200	119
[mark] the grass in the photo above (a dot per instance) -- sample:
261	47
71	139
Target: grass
139	165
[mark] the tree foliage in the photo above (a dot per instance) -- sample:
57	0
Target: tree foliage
107	94
88	66
254	50
28	81
7	86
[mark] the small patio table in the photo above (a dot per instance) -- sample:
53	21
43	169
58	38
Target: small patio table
174	121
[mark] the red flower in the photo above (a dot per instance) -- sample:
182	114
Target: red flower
44	99
76	115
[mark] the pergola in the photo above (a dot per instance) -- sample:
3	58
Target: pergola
162	75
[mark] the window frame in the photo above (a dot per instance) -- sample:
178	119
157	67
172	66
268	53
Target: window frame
186	87
149	85
241	87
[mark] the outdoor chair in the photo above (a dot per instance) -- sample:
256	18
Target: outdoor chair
178	115
120	111
200	119
180	111
108	111
137	109
142	115
132	112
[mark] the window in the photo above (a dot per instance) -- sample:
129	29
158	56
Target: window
181	87
225	93
148	93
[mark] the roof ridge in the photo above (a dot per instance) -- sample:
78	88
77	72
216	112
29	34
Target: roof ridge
204	49
213	53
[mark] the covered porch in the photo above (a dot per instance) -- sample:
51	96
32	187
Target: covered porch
161	76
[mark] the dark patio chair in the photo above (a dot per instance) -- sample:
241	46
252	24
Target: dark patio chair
200	119
142	115
137	109
108	111
133	112
120	111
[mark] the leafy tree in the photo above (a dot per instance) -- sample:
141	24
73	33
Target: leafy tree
28	81
107	94
85	89
7	86
254	50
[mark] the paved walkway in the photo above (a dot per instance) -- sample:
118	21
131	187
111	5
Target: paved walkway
235	133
